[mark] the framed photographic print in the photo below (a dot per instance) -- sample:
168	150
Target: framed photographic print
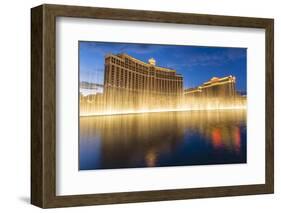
136	106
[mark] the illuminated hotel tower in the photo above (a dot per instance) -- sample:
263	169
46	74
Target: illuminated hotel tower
135	79
215	87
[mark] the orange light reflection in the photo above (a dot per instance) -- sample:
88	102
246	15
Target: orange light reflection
217	138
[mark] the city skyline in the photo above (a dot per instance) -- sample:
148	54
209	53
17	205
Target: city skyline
197	64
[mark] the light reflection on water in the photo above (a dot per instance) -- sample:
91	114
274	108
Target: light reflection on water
162	139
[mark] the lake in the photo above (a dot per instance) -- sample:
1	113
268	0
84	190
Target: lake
163	139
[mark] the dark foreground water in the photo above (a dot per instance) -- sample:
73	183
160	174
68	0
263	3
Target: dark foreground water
162	139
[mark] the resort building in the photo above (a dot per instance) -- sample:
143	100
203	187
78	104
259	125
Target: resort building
215	87
134	86
130	83
123	72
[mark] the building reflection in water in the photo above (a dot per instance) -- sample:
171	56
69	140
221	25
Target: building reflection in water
162	139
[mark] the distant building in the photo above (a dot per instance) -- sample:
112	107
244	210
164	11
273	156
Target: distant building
193	92
215	87
87	88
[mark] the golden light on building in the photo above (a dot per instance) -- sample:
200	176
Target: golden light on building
133	86
152	61
215	87
125	74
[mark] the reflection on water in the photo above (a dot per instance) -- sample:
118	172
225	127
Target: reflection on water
162	139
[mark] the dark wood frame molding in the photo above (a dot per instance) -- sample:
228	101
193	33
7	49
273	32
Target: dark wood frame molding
43	105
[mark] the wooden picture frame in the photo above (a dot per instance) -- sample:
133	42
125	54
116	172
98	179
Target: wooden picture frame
43	105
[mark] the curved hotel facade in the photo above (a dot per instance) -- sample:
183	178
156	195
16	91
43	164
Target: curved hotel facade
129	82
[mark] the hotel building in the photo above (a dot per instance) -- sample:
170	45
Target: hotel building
215	87
131	85
130	80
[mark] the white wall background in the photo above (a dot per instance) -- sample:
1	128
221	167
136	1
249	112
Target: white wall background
15	105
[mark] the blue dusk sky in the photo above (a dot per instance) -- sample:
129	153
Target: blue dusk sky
197	64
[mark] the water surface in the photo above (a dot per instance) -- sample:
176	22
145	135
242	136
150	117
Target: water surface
162	139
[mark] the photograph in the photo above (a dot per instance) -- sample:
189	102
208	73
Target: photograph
154	105
145	105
